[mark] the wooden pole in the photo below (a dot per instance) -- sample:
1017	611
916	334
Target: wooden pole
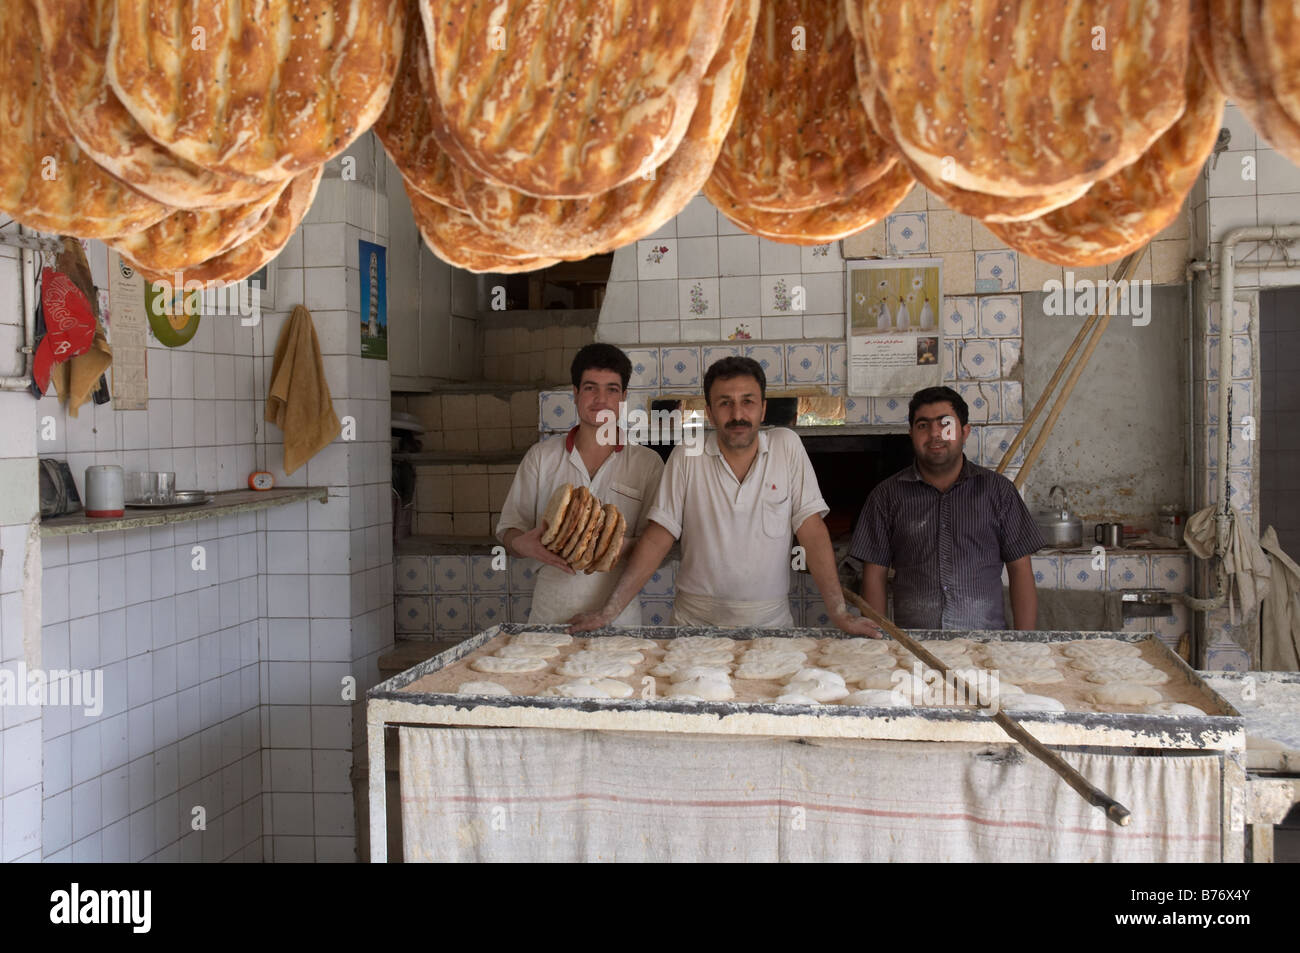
1098	798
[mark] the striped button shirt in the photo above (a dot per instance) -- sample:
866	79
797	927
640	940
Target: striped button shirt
947	549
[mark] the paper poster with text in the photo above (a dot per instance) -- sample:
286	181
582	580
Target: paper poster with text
895	337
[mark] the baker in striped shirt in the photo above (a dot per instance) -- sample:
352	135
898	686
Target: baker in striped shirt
947	527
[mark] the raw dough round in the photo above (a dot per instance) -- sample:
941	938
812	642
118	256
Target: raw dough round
1123	669
856	670
798	643
507	666
603	665
669	667
1085	647
819	683
1004	652
757	655
703	642
705	688
682	659
764	668
1024	702
591	687
1173	708
886	680
877	698
515	650
614	643
1125	693
542	638
630	656
794	698
483	688
700	671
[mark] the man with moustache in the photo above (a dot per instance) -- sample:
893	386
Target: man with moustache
947	527
735	507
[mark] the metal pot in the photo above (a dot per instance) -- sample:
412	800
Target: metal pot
1061	528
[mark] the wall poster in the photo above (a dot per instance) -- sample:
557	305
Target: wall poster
895	337
374	300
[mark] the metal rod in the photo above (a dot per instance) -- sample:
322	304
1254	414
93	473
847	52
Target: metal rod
1098	798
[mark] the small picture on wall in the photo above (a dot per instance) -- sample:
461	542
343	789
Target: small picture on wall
894	337
374	300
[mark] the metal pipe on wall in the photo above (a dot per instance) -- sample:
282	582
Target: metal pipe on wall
30	245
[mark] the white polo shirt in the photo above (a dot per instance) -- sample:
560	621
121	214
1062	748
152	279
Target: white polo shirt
628	478
735	537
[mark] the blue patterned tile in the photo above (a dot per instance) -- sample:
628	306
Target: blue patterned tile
1172	627
1225	659
1013	402
411	573
857	410
838	364
1000	316
489	611
962	316
1173	573
977	360
996	271
797	611
995	441
907	233
1077	573
483	578
660	582
815	615
805	363
645	366
1047	571
450	574
1126	572
950	360
680	366
713	353
451	615
1009	351
520	606
770	358
656	612
558	413
889	410
523	575
412	614
983	401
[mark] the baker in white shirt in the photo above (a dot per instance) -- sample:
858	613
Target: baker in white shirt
621	473
735	508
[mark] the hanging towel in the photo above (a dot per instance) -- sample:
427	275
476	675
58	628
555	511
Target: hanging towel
1279	638
1247	565
299	399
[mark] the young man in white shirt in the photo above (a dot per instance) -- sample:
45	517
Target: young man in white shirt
735	508
624	474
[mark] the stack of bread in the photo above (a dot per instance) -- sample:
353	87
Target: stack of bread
584	532
192	137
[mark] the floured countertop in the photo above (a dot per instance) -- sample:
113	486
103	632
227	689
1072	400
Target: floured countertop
1270	704
1072	692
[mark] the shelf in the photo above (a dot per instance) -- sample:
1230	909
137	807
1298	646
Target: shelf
446	457
225	503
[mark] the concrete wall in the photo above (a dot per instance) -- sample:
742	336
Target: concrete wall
1119	447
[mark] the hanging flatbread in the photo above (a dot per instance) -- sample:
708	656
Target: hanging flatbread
801	138
75	34
189	237
569	98
267	89
579	228
828	223
406	126
1026	97
554	512
46	181
459	240
1240	56
260	247
1122	213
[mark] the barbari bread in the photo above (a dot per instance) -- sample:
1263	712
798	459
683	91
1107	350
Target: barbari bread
262	246
1122	213
554	512
459	240
801	138
606	533
587	506
607	562
1026	97
569	98
581	498
582	556
579	228
76	34
274	88
46	181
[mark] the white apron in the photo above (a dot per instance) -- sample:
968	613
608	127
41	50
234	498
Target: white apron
558	597
690	609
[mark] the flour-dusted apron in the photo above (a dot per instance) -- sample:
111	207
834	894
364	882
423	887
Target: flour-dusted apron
558	597
691	609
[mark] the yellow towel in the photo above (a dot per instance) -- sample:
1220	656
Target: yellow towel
299	399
